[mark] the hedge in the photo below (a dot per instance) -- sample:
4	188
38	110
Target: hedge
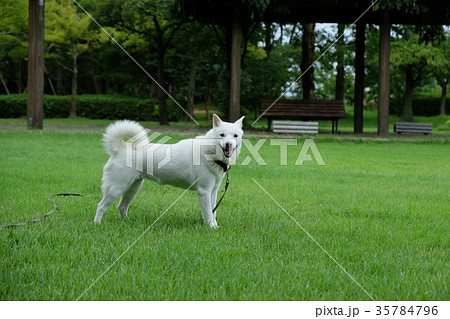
91	106
425	104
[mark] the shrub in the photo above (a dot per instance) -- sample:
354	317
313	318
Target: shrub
174	112
424	104
14	105
92	106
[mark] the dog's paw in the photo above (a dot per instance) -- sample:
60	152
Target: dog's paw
97	220
213	224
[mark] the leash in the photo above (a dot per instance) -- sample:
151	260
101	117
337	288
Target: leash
55	207
50	212
226	169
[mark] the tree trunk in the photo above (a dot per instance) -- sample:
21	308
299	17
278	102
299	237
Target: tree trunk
227	49
384	74
4	84
153	90
73	103
208	95
340	80
267	80
191	91
35	96
268	46
19	82
407	113
50	82
443	97
94	78
137	89
307	61
359	77
235	71
163	119
339	89
60	79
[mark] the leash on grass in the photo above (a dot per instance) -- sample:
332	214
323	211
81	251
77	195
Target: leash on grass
55	207
50	212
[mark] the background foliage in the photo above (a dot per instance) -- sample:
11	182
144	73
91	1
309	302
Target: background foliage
150	30
90	106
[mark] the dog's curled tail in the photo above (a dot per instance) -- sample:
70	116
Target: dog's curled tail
115	133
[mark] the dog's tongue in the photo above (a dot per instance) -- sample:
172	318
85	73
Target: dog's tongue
227	151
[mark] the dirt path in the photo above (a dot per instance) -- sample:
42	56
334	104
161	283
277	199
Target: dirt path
190	131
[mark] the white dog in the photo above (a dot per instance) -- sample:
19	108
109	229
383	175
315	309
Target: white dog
198	164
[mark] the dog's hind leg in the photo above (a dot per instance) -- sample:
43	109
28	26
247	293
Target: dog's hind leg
128	197
111	192
107	200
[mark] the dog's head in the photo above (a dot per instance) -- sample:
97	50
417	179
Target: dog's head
229	136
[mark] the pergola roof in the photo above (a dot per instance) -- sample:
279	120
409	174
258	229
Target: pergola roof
235	12
347	11
319	11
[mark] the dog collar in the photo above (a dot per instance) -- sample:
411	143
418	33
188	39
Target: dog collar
223	165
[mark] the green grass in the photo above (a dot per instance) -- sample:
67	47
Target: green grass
381	209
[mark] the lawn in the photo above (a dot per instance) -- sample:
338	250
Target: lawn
441	124
380	208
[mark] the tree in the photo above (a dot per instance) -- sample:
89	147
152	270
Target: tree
340	73
14	44
156	23
197	47
307	60
413	60
237	20
69	32
35	94
413	8
269	70
440	67
333	72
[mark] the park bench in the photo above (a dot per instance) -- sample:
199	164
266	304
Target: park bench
295	127
407	127
305	110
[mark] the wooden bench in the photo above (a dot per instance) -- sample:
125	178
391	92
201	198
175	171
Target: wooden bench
295	127
407	127
305	110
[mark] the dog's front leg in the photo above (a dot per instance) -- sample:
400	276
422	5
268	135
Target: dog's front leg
204	196
214	199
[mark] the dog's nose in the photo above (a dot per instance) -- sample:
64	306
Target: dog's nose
228	145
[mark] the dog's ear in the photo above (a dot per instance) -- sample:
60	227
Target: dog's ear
239	122
216	120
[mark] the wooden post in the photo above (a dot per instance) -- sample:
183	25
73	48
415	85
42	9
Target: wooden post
384	73
339	91
359	77
35	98
308	60
235	76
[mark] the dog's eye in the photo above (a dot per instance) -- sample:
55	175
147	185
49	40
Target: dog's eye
222	135
235	135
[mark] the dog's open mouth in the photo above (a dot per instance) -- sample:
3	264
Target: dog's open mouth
227	151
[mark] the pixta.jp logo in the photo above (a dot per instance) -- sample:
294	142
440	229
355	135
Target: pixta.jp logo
141	150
